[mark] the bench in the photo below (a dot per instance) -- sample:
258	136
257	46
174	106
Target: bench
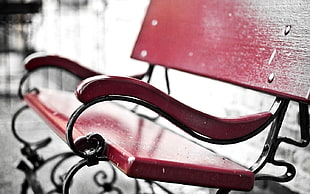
248	44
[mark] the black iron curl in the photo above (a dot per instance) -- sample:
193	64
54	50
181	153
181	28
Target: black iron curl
100	180
274	140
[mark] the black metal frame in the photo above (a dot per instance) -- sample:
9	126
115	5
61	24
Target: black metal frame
93	155
268	153
30	151
273	142
178	123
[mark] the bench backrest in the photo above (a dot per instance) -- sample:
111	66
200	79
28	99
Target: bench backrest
263	45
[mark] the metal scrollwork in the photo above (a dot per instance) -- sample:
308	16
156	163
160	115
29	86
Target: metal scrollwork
58	183
274	140
91	155
100	180
30	148
30	151
97	150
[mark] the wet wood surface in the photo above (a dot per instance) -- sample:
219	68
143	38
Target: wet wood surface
262	45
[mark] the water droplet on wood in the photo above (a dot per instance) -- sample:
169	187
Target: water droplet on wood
287	29
271	77
143	53
154	22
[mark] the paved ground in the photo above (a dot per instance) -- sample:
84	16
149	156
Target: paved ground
30	127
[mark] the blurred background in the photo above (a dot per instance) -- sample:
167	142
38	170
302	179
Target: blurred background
93	33
100	34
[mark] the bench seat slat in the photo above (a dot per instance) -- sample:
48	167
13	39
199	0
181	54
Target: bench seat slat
140	148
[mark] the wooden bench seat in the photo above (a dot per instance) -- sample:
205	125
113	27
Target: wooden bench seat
140	148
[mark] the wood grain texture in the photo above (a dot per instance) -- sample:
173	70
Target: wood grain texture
139	147
262	45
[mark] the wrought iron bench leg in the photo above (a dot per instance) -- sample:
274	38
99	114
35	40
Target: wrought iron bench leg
24	187
29	150
30	179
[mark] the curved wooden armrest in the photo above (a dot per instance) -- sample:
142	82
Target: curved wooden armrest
204	124
36	61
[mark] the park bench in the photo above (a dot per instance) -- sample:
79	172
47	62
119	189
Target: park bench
251	44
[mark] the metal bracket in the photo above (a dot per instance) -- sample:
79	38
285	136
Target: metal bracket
274	140
91	155
30	148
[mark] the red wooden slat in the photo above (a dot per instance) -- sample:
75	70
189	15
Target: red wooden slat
141	148
262	45
35	61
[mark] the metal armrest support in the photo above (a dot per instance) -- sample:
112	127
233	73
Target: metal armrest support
274	140
200	125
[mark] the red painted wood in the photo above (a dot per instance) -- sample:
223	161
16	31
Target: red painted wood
36	61
262	45
213	127
139	147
